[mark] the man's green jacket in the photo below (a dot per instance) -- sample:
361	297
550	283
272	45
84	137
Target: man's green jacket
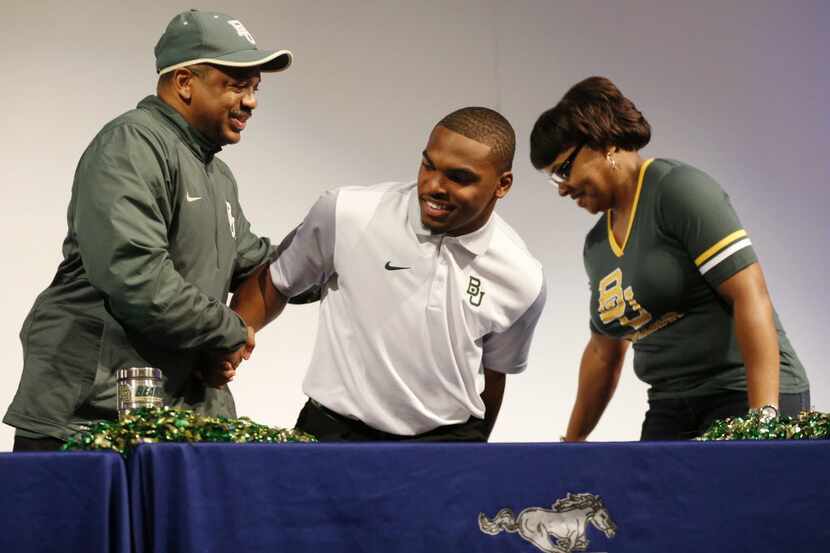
156	241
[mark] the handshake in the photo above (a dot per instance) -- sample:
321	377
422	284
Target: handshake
218	368
257	302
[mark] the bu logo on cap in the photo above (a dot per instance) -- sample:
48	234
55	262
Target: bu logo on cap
241	30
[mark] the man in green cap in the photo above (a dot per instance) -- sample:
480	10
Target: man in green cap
156	241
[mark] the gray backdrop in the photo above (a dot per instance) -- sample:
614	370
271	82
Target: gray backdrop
737	88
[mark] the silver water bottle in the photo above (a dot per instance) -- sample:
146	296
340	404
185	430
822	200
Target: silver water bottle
138	387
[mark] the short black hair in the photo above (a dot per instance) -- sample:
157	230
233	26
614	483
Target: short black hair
593	112
165	78
488	127
198	69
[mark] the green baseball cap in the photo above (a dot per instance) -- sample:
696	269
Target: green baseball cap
207	37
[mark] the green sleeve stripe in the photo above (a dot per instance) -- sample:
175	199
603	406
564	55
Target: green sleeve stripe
702	258
737	246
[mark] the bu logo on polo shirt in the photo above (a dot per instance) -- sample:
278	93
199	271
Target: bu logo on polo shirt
474	291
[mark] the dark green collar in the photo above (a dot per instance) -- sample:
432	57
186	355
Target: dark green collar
200	145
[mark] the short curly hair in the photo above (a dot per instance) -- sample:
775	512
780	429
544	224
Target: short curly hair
593	112
488	127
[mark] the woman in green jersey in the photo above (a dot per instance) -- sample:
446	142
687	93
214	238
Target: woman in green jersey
672	271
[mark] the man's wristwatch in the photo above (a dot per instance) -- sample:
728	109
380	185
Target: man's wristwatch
767	412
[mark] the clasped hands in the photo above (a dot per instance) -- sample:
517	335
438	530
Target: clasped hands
218	367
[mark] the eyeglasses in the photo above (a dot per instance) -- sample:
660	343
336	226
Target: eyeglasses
561	173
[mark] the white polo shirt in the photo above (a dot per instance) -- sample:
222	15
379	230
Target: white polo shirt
408	319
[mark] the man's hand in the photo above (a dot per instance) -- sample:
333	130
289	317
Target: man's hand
219	368
216	376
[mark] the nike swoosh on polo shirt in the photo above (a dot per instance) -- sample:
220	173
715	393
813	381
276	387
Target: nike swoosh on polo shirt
390	267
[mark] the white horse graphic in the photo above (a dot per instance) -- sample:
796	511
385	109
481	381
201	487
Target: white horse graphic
567	523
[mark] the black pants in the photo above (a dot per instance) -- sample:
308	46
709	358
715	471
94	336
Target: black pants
36	444
328	426
687	418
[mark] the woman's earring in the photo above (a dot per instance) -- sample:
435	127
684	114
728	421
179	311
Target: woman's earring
611	160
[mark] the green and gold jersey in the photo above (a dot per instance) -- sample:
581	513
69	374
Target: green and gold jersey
658	288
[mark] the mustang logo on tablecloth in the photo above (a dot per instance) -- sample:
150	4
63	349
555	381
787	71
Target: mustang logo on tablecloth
567	523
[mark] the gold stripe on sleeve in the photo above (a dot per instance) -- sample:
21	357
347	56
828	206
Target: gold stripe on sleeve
702	258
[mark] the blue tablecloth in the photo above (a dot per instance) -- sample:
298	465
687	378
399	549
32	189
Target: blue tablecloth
63	502
643	497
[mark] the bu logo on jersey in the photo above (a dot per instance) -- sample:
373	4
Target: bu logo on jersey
474	291
613	302
242	31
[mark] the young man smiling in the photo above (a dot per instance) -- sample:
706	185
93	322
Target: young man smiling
156	240
428	297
